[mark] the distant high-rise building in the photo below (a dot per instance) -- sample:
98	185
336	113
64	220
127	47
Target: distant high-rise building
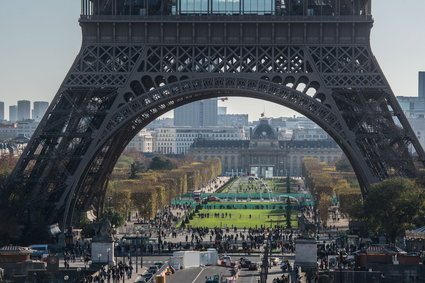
197	114
421	90
222	110
235	120
414	106
1	111
24	110
40	107
13	114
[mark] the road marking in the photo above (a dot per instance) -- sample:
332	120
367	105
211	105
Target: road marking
202	269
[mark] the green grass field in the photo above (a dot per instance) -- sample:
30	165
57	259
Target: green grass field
240	218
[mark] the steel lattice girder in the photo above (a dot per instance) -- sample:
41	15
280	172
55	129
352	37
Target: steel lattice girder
113	90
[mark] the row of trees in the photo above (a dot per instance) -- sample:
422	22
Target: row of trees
150	191
326	182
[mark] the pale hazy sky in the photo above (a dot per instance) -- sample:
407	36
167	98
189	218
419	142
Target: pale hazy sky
40	39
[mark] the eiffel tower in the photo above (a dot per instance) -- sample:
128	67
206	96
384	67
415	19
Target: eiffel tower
140	59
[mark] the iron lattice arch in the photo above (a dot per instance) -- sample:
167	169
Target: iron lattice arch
115	89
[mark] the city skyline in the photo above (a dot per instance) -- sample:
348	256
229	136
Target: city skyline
51	30
29	110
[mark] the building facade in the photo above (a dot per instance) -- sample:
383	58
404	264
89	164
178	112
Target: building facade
24	110
421	85
26	128
201	113
222	110
177	140
232	120
264	155
1	111
13	114
310	134
414	106
40	108
418	126
8	132
142	142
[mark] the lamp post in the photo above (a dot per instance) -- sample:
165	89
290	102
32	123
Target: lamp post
340	267
98	257
137	251
141	254
116	253
108	250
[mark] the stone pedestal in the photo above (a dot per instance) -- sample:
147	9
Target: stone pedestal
306	253
102	253
306	257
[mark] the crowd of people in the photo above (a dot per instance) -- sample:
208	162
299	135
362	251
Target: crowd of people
113	274
169	237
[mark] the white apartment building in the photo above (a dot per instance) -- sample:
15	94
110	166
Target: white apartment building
142	142
177	140
26	128
8	132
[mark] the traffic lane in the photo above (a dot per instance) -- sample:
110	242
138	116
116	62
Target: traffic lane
211	271
197	274
248	276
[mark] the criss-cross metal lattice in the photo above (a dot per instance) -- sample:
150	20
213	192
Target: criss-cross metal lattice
129	72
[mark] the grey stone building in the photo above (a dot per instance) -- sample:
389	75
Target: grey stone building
264	155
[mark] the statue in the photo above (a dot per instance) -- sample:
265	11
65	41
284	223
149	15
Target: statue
103	231
307	229
102	246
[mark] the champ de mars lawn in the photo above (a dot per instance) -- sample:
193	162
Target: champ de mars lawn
249	218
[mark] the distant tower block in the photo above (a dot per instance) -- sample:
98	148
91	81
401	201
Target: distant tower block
421	92
141	59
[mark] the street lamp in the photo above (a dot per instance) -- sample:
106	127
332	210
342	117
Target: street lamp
109	250
98	257
137	251
116	252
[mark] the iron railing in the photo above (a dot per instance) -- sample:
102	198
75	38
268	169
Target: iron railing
227	18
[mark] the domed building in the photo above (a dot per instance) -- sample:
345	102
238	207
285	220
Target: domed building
264	155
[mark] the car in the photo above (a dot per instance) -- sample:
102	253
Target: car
148	276
244	262
276	261
159	264
253	266
153	269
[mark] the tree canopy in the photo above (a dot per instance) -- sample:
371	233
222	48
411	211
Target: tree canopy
343	165
393	206
162	163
